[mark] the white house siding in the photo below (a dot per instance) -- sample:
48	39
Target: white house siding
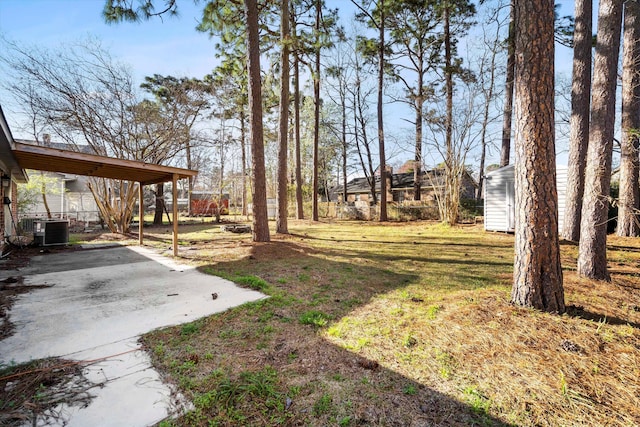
498	184
499	198
82	206
54	202
77	202
561	183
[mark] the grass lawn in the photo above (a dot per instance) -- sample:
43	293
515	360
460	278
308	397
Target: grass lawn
401	325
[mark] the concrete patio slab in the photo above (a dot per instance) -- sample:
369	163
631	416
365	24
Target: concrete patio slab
98	303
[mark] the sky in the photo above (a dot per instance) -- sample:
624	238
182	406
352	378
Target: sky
170	46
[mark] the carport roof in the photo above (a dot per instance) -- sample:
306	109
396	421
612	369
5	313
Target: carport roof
56	160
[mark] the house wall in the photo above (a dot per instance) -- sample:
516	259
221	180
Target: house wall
468	188
77	203
403	190
9	213
14	205
427	195
4	213
364	197
499	198
81	206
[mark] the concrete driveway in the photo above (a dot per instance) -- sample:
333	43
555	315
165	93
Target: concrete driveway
99	302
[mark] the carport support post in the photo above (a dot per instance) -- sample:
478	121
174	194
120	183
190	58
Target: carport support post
140	215
175	214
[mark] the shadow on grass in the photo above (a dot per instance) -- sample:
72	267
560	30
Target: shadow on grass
623	248
580	313
610	247
306	274
333	385
419	241
439	258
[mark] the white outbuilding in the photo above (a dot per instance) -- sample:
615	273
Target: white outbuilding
499	198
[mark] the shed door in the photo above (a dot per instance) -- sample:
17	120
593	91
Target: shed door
511	206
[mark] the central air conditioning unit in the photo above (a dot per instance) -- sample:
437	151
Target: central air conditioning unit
52	232
26	224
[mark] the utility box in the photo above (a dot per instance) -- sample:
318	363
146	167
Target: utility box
51	232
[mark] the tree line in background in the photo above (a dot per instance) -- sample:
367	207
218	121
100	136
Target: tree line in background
301	114
411	47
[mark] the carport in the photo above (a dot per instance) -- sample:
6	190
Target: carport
29	156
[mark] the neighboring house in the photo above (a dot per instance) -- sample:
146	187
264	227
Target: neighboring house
76	202
499	198
401	188
358	190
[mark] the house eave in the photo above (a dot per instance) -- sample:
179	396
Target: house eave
8	160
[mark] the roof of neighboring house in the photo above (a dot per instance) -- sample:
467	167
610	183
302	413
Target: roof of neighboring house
59	145
358	185
433	177
77	185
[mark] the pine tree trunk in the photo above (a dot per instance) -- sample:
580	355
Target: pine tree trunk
450	174
592	255
537	277
508	89
283	128
243	141
296	103
316	114
417	165
343	106
383	162
260	218
629	203
579	133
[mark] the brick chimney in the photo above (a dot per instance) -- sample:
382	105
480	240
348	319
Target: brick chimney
389	170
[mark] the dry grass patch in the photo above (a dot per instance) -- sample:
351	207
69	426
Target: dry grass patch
403	324
41	392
